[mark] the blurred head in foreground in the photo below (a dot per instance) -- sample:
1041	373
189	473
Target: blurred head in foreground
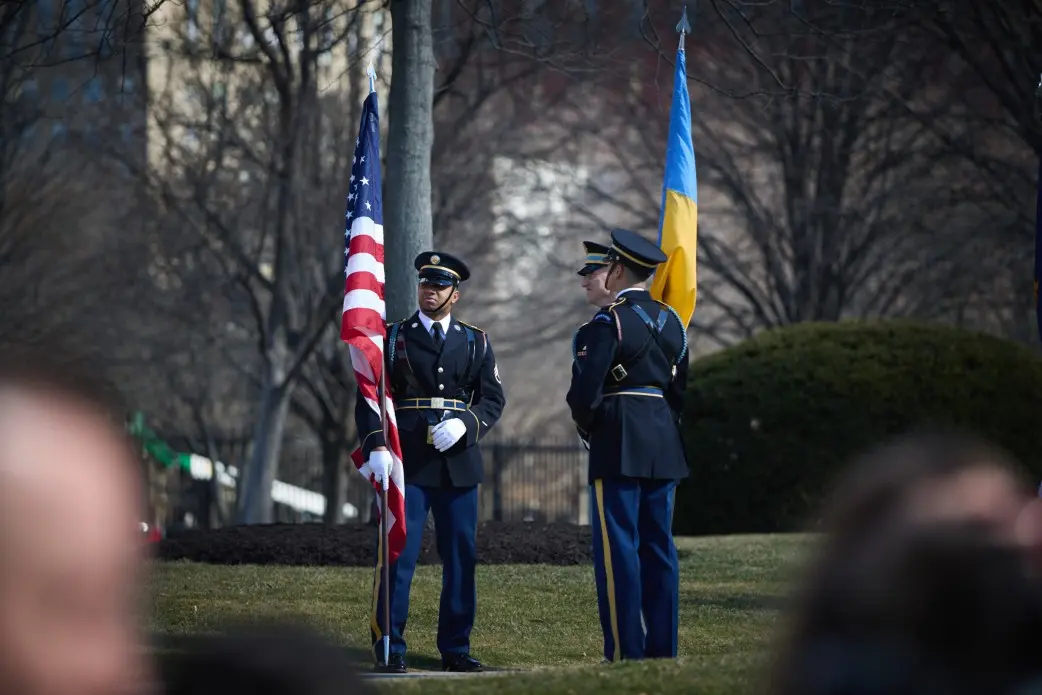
944	608
931	476
922	582
262	660
70	546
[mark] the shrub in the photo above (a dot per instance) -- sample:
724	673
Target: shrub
770	421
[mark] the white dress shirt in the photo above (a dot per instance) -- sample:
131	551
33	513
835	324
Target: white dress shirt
428	323
635	288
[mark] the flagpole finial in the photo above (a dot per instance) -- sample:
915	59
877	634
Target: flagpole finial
683	27
371	71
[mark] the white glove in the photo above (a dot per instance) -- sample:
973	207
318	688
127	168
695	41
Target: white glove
380	465
447	433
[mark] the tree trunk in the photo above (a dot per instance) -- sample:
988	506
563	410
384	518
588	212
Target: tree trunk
254	505
407	209
333	475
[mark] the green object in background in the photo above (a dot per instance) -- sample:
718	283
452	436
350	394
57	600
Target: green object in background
769	423
157	449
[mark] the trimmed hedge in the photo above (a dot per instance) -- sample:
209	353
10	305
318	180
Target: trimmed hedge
769	422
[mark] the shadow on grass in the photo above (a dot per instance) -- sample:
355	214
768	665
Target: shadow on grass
741	602
165	644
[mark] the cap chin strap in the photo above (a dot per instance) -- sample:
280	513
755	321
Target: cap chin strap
614	262
442	305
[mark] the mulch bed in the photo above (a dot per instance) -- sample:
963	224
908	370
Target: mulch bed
353	545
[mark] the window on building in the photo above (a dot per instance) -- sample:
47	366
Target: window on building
30	90
127	84
637	12
74	22
92	94
192	20
220	22
325	43
59	89
45	15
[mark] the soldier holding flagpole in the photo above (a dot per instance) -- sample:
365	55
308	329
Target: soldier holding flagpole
441	376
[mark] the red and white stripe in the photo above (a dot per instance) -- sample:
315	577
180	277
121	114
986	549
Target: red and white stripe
363	327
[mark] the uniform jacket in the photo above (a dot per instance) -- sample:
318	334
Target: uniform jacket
635	434
417	370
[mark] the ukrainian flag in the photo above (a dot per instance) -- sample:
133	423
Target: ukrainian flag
675	280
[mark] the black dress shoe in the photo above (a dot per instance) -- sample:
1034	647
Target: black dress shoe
460	663
396	664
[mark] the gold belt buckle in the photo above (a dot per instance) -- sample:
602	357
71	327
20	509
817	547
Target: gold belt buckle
437	403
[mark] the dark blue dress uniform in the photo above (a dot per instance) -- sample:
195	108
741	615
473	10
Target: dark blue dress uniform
625	398
431	382
596	258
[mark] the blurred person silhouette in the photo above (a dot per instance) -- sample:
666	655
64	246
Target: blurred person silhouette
941	607
71	551
938	507
931	474
263	659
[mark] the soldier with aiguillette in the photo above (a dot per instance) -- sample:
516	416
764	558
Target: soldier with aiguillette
626	394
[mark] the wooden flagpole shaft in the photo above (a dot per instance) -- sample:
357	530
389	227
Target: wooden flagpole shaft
384	528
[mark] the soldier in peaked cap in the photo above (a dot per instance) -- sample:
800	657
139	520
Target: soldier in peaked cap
592	272
447	392
626	393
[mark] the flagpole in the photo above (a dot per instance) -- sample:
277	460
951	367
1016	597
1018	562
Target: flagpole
385	531
384	528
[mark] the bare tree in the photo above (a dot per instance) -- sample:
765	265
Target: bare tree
821	196
256	169
325	402
992	56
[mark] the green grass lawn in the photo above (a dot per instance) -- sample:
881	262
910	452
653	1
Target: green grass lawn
531	617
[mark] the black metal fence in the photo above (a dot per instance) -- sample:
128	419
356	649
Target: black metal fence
524	481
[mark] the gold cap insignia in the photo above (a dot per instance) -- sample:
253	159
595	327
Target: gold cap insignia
435	259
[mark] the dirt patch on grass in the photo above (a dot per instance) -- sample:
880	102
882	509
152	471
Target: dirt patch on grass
498	543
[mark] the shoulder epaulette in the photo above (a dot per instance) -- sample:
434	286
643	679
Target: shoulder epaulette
474	328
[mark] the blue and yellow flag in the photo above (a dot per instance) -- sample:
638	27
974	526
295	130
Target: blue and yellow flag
675	280
1038	249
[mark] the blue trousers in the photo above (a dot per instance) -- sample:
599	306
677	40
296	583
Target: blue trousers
636	567
455	519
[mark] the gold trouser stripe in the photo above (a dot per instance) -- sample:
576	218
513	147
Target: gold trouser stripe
598	487
374	620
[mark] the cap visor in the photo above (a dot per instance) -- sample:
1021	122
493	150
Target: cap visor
439	282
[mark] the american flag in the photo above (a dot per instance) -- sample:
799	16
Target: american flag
363	322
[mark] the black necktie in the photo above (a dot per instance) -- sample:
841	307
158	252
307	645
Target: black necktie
436	336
